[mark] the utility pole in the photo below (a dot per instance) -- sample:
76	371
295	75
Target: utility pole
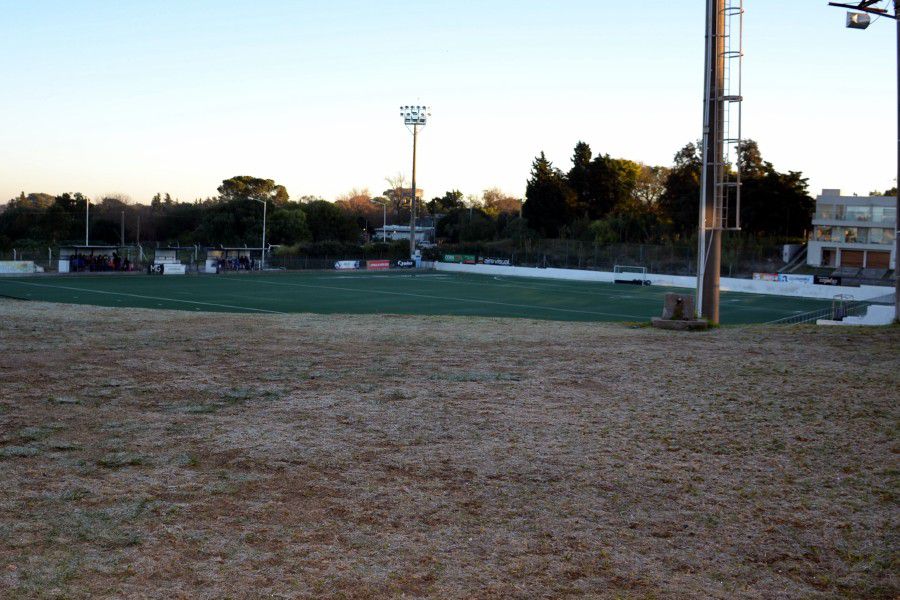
262	259
709	238
719	182
122	231
87	217
414	116
861	21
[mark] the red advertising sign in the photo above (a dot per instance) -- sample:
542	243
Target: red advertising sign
378	265
765	276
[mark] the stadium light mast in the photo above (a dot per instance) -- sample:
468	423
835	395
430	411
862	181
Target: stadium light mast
720	181
862	20
413	117
262	260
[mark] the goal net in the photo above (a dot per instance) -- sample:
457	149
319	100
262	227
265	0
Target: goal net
630	274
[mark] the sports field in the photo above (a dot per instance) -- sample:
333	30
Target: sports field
389	293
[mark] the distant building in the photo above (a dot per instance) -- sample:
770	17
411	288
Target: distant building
401	232
853	232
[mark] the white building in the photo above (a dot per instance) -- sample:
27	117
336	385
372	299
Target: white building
853	231
401	232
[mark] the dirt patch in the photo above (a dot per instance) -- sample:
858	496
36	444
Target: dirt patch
170	455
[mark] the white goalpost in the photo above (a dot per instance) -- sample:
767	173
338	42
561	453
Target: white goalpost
631	273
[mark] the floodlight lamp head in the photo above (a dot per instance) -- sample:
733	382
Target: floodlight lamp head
858	20
415	115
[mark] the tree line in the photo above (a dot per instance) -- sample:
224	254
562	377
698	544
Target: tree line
599	199
609	200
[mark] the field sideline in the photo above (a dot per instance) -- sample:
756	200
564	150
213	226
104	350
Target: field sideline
174	454
389	293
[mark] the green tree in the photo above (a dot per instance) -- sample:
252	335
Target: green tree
327	222
287	225
245	187
549	201
444	204
679	204
772	203
578	176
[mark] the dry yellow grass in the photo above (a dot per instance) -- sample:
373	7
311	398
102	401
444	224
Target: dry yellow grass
176	455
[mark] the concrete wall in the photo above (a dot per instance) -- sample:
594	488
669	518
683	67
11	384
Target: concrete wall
875	315
727	284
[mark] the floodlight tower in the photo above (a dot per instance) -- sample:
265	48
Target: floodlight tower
262	259
861	20
413	117
720	182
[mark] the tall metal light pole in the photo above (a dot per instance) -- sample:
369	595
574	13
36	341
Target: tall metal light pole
861	21
87	221
414	116
720	181
383	218
262	260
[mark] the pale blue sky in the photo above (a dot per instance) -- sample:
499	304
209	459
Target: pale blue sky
174	96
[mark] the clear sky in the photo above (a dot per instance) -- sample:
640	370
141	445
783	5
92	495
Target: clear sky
138	97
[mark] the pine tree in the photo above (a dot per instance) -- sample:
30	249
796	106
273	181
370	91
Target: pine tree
549	201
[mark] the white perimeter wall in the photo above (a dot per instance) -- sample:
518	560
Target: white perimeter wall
727	284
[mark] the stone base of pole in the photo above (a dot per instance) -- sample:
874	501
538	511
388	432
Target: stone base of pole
679	315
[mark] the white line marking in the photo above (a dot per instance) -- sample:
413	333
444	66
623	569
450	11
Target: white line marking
76	289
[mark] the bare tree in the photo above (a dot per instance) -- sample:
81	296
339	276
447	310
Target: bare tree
497	203
395	193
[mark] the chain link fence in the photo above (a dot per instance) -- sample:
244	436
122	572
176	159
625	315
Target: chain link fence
738	260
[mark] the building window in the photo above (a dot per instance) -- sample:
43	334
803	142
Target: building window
826	211
851	235
823	234
858	213
881	236
884	214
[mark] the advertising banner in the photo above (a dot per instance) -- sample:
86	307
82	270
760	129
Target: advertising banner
790	278
16	266
346	265
503	262
172	269
405	264
378	265
468	259
826	280
765	276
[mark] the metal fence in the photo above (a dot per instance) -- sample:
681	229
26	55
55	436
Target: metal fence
739	259
854	309
671	259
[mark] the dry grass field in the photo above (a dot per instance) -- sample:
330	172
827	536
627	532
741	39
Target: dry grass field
184	455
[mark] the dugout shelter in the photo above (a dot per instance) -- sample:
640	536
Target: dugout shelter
80	259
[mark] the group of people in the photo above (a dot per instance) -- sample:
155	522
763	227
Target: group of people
241	263
102	262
